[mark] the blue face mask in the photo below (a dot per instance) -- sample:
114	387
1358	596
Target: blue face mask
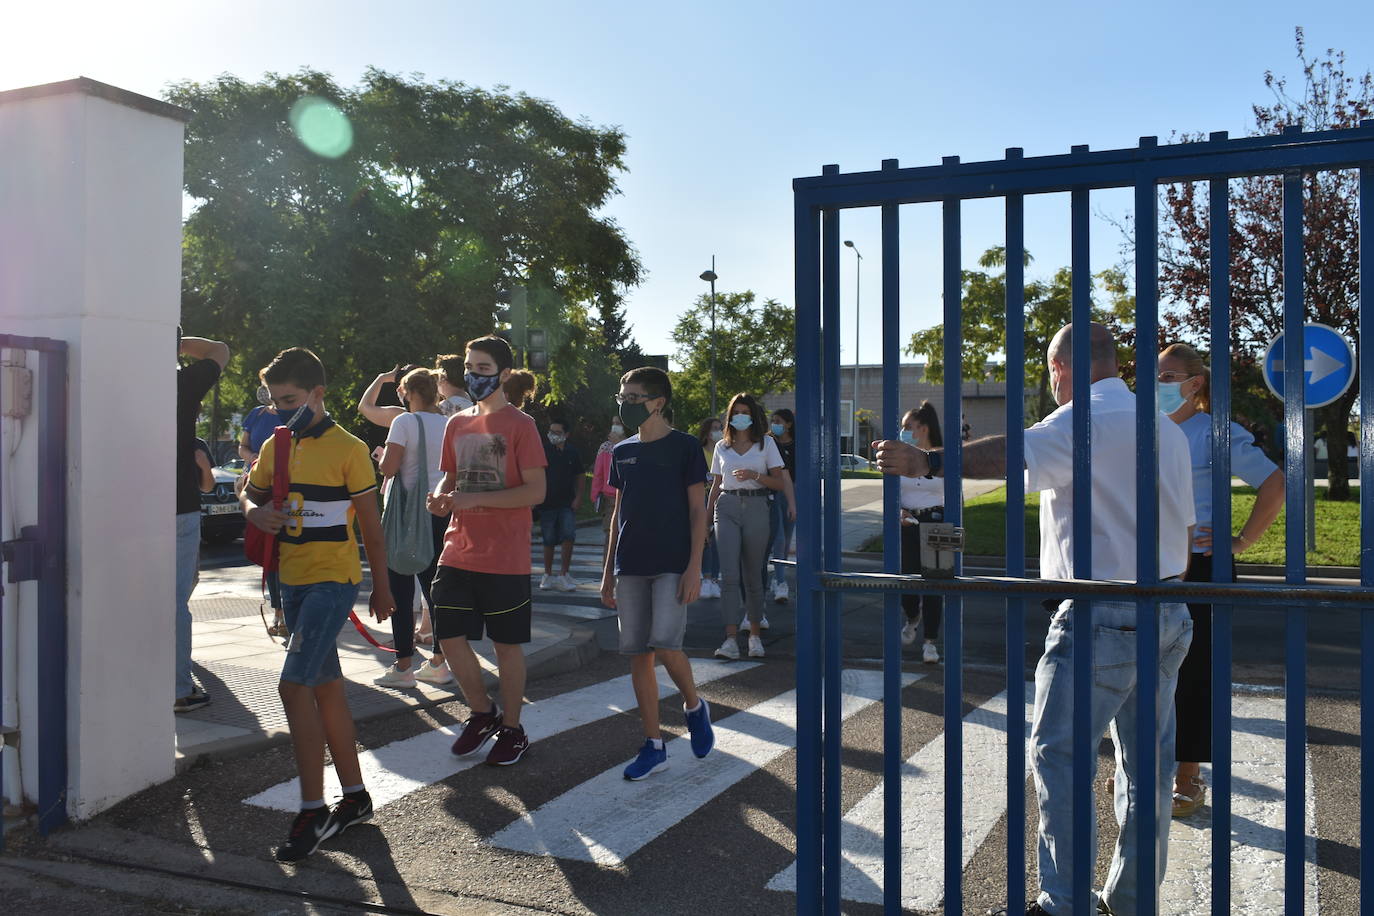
907	436
741	421
777	429
481	387
299	419
1169	395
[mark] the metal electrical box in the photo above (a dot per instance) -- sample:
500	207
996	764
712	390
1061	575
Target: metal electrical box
940	542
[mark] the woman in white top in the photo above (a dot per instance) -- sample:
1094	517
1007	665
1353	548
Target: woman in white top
1185	394
401	457
923	500
745	467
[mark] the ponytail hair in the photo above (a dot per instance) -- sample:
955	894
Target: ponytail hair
927	417
520	385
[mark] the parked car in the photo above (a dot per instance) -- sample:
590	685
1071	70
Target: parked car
854	463
221	518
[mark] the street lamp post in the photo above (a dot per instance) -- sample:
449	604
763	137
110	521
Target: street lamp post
858	273
710	277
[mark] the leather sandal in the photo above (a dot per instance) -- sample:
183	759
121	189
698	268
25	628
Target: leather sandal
1185	803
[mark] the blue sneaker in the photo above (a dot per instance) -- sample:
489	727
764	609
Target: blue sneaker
699	724
650	760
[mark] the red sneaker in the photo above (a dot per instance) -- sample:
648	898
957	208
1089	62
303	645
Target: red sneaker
480	727
511	744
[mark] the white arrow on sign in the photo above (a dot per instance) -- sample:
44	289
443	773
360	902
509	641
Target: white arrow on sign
1319	366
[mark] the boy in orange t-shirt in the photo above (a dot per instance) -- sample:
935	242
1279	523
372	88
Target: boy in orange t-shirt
493	463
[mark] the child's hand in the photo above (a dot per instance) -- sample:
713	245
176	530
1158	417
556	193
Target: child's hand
439	505
688	588
380	604
608	591
265	518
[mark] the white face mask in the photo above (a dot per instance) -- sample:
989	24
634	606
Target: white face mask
717	435
557	439
618	430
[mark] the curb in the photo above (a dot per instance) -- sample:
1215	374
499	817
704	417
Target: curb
578	649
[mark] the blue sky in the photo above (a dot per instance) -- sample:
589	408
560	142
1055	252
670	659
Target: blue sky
724	103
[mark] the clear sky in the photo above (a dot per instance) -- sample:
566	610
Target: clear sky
725	102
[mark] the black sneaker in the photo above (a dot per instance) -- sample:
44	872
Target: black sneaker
1035	909
353	808
193	700
310	828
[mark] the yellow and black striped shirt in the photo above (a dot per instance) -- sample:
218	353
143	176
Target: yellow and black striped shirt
329	466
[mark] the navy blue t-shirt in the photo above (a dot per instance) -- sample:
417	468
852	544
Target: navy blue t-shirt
655	533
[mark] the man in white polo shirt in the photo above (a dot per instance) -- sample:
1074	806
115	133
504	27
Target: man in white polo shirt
1049	468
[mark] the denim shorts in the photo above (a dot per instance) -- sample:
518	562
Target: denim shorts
557	525
315	614
649	612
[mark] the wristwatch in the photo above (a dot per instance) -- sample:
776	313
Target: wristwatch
936	461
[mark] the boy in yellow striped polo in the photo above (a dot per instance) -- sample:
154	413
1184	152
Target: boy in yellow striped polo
332	483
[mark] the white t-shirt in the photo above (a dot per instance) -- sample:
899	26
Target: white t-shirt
761	457
922	493
1049	468
405	432
450	406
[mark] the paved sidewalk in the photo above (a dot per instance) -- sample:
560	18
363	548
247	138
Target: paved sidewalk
238	663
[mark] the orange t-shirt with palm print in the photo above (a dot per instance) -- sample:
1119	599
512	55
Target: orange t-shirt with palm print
488	452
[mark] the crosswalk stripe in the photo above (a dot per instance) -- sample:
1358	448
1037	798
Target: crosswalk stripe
606	819
923	821
1257	822
397	769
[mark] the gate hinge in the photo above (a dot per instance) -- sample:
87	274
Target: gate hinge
24	555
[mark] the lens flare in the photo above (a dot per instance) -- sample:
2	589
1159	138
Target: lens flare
321	127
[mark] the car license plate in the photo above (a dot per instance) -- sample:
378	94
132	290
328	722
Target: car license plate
222	509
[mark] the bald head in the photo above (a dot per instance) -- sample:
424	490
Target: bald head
1101	349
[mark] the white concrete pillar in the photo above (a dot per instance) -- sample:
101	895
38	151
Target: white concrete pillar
90	252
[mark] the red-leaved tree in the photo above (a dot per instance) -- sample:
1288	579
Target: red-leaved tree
1329	99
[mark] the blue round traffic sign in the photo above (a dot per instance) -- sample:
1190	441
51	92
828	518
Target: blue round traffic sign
1328	365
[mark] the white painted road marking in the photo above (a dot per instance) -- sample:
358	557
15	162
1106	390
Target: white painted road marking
923	807
607	819
397	769
1257	821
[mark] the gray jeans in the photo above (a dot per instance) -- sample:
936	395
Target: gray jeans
742	536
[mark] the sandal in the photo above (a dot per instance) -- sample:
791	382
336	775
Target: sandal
424	640
1185	803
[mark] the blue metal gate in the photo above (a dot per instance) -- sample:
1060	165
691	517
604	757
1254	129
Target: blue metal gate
818	202
39	554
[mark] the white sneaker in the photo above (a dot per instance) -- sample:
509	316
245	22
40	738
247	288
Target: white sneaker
729	650
780	593
567	583
929	654
755	647
431	673
744	622
706	588
908	632
548	582
394	677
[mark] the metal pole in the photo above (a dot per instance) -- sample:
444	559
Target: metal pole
1310	443
713	335
854	402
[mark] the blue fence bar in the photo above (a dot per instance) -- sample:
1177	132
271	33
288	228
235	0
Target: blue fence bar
1147	529
954	625
809	564
1219	280
1016	544
821	581
892	563
1296	467
1366	531
1084	741
830	487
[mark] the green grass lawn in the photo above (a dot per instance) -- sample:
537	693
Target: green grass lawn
1338	529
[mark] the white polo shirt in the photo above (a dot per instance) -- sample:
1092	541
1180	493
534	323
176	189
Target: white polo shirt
1049	468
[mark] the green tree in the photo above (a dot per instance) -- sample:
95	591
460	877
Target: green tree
1049	306
393	247
1328	99
755	352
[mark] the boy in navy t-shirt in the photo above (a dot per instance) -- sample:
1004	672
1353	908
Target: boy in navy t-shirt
653	561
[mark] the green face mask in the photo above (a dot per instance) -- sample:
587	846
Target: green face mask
633	415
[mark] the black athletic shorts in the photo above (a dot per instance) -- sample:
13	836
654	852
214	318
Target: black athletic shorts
468	603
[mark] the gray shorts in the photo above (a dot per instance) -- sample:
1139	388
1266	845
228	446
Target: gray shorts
650	615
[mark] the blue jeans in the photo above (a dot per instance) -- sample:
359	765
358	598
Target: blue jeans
315	614
782	528
558	526
1114	705
188	561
